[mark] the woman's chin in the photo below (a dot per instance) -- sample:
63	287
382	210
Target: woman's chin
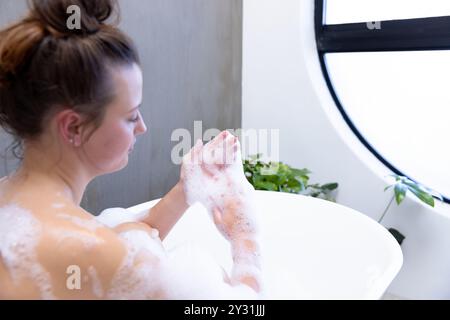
121	165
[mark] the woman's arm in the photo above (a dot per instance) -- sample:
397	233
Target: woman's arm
166	213
246	263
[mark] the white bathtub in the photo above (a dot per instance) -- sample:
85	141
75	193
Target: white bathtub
312	248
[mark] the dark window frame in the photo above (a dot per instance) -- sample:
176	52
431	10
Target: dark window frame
394	35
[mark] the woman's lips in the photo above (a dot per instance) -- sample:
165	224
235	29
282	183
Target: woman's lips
132	147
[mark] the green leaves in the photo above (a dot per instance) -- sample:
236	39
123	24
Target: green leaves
277	176
400	192
402	185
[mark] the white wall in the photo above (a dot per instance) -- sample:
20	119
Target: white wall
283	89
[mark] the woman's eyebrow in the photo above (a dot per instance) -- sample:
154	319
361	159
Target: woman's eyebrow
135	108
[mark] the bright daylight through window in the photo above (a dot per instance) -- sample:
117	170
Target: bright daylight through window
392	83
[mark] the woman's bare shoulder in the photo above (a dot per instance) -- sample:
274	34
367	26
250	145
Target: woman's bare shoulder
63	238
108	258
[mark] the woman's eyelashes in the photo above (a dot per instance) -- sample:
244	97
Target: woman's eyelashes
135	119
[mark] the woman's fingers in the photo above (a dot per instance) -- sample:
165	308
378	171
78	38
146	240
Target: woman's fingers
211	145
194	156
224	153
232	149
217	154
217	216
237	153
214	150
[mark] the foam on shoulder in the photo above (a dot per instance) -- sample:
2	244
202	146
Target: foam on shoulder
88	224
112	217
97	287
20	233
138	275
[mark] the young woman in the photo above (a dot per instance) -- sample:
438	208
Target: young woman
71	99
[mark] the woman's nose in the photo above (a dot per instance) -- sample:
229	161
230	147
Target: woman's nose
141	128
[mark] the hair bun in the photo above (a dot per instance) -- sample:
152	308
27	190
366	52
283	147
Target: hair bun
54	17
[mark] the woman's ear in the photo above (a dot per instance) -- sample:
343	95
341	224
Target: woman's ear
69	126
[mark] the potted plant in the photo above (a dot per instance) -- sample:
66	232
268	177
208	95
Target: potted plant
402	185
280	177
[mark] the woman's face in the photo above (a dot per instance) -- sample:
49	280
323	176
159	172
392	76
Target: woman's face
109	146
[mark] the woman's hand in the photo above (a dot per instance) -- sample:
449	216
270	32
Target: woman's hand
211	172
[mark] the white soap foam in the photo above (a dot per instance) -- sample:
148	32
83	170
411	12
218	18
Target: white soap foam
138	280
184	273
89	224
191	273
112	217
20	232
97	288
146	272
58	205
247	251
62	235
155	234
212	191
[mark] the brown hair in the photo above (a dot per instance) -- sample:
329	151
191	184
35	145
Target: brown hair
45	66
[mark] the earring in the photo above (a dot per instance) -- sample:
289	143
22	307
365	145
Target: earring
71	141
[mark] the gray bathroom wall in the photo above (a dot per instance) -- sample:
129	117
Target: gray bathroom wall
191	52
